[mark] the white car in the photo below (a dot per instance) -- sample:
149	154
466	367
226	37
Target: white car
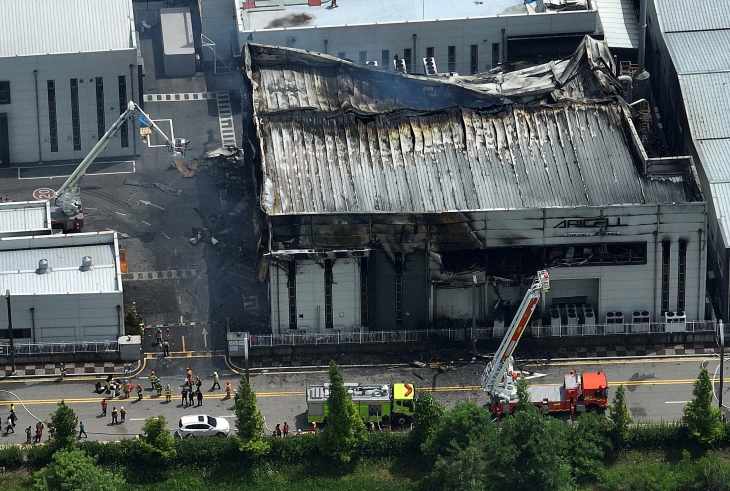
202	425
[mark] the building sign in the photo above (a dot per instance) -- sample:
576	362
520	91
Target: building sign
600	223
604	222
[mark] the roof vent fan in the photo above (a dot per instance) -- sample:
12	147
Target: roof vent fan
42	266
85	263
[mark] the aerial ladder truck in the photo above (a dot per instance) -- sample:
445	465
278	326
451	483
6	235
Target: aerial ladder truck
579	392
67	212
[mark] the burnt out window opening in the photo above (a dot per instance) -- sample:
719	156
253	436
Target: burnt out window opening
100	124
385	59
409	60
595	254
364	291
75	118
682	275
17	333
429	52
452	58
399	289
124	130
291	286
495	54
329	321
363	56
474	58
52	121
666	249
4	92
342	54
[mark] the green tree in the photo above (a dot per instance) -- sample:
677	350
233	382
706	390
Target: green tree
532	455
344	433
524	400
249	420
157	443
589	442
620	417
457	426
132	323
426	417
461	468
64	421
75	471
703	420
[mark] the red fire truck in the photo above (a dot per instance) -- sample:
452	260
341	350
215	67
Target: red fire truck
579	392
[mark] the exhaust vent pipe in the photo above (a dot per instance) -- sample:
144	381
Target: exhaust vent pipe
42	267
85	263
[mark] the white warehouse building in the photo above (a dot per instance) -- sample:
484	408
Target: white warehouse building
67	69
463	36
62	287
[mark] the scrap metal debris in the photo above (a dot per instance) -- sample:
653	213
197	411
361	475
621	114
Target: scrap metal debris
185	170
158	185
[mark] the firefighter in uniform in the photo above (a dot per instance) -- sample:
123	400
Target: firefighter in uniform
216	381
139	391
198	382
228	389
168	393
158	387
153	379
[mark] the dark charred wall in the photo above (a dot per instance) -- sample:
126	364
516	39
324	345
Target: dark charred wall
415	291
381	291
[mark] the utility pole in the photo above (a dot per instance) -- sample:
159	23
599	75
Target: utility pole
10	333
721	328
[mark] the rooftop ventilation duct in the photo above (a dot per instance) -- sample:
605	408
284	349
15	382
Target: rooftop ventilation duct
429	66
85	263
42	266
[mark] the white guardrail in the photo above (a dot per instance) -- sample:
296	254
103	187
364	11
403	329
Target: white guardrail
370	337
55	348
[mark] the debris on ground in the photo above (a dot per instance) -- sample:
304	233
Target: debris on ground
146	184
196	236
185	170
419	364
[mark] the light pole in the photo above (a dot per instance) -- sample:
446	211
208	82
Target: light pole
721	328
10	333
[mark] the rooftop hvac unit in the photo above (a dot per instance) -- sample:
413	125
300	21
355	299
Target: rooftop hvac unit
640	321
675	321
590	321
429	66
399	65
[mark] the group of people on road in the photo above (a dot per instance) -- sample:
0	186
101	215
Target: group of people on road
12	419
115	414
165	345
282	431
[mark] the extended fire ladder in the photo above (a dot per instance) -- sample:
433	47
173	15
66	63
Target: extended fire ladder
494	382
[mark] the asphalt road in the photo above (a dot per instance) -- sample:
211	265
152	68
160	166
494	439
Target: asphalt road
656	391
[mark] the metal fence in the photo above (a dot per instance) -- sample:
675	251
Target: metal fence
55	348
372	337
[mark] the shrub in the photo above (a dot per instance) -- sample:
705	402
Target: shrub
75	471
387	445
293	451
113	454
38	456
11	457
206	451
656	436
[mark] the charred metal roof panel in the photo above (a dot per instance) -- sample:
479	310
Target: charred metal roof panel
461	160
337	137
681	15
708	111
698	51
721	202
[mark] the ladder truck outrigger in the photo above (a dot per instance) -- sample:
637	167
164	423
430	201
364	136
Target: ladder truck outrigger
67	212
579	392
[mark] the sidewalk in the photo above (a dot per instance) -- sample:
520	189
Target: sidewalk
462	355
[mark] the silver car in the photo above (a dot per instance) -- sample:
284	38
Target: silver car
202	425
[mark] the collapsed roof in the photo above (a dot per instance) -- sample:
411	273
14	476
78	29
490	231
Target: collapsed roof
341	137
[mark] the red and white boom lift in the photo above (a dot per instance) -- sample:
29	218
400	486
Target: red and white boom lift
578	392
67	212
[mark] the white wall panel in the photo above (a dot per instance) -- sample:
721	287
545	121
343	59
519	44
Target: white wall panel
345	293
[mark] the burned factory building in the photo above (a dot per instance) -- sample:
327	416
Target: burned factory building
398	201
